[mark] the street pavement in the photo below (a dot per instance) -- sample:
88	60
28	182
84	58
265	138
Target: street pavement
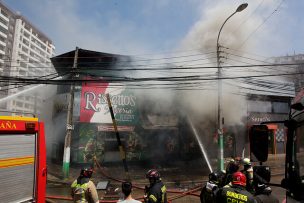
178	178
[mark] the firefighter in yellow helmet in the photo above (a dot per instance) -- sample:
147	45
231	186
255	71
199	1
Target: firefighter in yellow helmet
156	192
83	189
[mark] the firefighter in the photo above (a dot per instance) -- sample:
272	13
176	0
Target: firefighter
248	171
156	192
214	183
83	189
231	168
236	192
261	178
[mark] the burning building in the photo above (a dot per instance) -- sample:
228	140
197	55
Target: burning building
151	127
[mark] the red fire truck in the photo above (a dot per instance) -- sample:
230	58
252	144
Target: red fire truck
23	168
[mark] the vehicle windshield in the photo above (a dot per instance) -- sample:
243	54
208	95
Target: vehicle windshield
299	117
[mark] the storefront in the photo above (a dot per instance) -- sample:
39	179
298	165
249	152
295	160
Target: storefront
272	109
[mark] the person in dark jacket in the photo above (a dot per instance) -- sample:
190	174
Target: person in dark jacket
261	178
236	192
232	167
156	192
208	193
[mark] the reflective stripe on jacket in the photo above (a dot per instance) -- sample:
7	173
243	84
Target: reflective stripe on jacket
79	192
157	193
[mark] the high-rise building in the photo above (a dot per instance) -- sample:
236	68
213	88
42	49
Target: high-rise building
24	52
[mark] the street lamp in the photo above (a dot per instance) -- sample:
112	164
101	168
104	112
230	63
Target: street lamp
219	72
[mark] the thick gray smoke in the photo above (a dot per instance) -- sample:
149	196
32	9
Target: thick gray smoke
234	39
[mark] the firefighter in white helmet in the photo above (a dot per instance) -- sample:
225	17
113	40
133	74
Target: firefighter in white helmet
248	171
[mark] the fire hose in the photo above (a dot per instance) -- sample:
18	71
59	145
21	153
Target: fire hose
180	194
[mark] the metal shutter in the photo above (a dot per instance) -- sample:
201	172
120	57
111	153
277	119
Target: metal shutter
17	167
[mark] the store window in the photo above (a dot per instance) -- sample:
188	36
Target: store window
259	106
280	107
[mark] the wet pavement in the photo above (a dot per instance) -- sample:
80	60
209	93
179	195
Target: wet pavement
181	179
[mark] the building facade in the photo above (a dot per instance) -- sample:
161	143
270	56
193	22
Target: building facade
24	52
298	78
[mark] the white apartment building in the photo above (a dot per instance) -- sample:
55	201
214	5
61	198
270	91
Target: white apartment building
25	52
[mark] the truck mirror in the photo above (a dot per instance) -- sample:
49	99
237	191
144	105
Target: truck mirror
297	106
258	137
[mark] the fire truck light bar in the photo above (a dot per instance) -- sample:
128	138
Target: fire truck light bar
30	126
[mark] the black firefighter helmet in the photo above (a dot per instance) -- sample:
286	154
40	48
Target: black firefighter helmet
153	174
86	172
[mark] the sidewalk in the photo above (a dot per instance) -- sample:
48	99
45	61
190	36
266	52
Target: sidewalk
171	175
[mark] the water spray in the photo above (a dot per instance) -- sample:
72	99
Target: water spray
24	91
20	92
200	145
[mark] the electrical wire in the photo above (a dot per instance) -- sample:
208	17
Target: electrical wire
264	21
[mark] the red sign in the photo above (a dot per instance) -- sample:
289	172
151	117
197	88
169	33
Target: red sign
91	95
11	125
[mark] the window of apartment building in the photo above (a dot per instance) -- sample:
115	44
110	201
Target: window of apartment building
23	57
33	62
27	35
3	39
26	42
2	48
23	65
4	13
33	47
4	22
24	49
32	54
19	104
27	27
3	30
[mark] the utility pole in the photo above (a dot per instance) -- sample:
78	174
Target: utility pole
120	146
69	127
220	118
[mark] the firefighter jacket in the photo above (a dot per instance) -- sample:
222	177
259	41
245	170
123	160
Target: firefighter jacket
234	194
263	194
84	191
157	193
208	193
249	177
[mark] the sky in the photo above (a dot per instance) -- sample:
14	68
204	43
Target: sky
136	27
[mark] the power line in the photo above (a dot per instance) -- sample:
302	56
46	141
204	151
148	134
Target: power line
276	9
